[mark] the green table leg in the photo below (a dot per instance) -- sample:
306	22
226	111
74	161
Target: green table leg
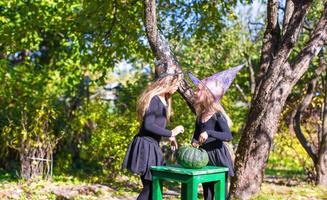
190	191
184	191
156	189
220	189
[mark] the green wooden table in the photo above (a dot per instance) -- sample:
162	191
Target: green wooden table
190	179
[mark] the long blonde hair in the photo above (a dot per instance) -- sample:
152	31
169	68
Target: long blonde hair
160	86
210	105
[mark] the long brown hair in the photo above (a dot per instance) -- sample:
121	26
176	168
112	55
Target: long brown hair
210	105
160	86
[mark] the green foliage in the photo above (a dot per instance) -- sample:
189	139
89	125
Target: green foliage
182	116
288	158
29	100
129	94
100	141
183	20
46	49
5	176
109	144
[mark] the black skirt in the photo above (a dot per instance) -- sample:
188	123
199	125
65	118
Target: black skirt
142	153
219	156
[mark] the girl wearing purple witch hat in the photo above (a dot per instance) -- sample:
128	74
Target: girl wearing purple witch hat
212	125
153	109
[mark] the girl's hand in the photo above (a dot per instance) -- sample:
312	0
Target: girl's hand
203	137
173	143
177	130
195	144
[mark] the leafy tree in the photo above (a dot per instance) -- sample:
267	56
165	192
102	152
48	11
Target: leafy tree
274	83
47	49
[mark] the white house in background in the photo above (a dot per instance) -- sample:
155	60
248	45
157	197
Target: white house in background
107	92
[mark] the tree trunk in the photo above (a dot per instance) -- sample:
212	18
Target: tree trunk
35	149
275	81
322	153
161	49
253	149
25	165
36	162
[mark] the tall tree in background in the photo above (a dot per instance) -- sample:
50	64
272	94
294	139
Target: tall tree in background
161	49
322	154
277	75
317	153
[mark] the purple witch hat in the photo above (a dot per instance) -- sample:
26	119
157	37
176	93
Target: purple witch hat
225	78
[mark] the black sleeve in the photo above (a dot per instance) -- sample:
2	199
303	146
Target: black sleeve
195	133
224	133
149	120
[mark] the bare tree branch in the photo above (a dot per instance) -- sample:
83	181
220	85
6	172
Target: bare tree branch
309	148
289	9
317	40
291	33
322	62
251	72
308	25
161	49
158	43
281	8
308	28
256	23
270	40
114	20
313	152
242	94
279	64
151	25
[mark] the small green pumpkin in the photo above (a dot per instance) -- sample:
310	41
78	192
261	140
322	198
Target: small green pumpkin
190	157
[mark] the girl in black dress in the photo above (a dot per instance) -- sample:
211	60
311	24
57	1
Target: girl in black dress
212	123
154	109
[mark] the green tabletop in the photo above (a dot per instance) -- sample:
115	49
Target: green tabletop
190	179
177	169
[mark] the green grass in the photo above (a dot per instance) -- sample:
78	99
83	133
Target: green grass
285	173
65	188
279	192
126	190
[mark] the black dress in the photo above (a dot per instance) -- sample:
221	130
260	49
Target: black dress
218	132
144	151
